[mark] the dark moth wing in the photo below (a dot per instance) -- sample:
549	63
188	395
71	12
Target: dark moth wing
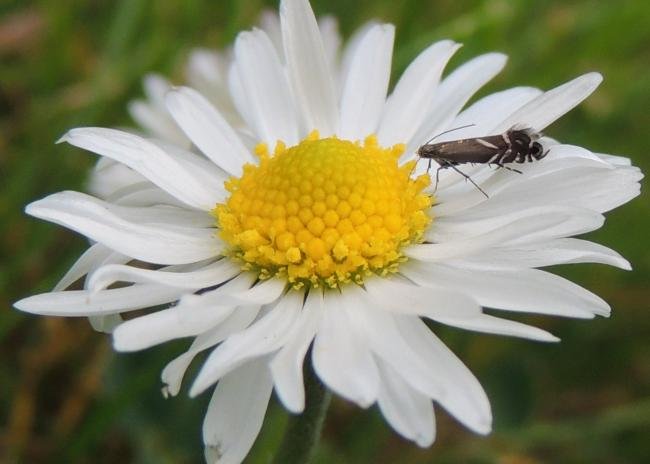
513	146
476	150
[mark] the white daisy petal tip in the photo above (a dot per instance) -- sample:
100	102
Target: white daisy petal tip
594	78
552	339
606	311
25	305
31	209
63	138
424	442
133	107
124	340
311	78
496	61
208	129
199	386
484	428
72	134
172	95
166	392
583	86
294	406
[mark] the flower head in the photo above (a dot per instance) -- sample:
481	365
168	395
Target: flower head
304	222
325	212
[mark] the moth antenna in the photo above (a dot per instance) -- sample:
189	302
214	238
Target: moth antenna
446	132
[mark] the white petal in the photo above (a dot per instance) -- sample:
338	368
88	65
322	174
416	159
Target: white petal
310	77
329	31
208	129
90	259
558	251
96	220
270	23
101	323
73	303
164	215
105	324
151	115
109	176
155	87
366	85
167	324
376	329
452	189
287	364
565	151
150	161
492	217
531	225
349	52
265	292
172	374
236	89
551	105
219	295
408	411
487	113
207	72
265	84
204	70
572	186
463	395
406	298
200	167
576	187
525	290
340	355
236	413
453	93
213	274
264	336
406	106
142	194
425	364
572	177
496	325
156	122
451	308
615	160
194	314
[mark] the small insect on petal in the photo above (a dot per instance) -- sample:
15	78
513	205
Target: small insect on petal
516	145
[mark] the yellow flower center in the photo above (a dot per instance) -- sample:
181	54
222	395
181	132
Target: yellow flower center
324	212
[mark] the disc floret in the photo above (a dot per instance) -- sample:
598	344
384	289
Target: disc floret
324	212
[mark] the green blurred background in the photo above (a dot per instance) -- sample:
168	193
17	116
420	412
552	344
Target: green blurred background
65	397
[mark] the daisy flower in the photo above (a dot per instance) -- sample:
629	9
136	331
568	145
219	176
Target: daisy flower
308	229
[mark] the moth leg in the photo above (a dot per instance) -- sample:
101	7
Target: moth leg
508	168
469	179
437	177
415	166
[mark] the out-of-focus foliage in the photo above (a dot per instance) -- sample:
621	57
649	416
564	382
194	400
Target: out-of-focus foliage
65	397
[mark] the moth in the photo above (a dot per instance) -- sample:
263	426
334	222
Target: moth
516	145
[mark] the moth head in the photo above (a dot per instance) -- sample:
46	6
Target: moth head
537	151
